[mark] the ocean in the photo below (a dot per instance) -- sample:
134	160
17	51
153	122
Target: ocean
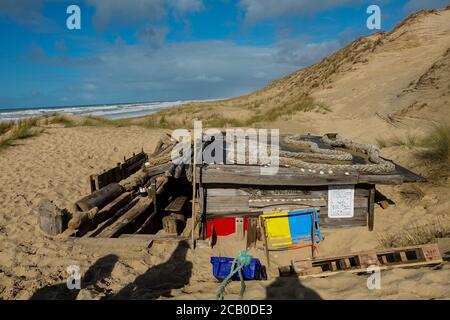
108	111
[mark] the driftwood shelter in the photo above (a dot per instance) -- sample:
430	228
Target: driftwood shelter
148	195
241	190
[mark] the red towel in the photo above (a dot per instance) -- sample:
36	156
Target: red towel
223	226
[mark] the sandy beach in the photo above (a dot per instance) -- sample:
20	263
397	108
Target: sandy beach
57	164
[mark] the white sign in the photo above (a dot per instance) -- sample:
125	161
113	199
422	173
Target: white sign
341	201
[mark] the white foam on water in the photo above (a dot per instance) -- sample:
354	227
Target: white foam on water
113	111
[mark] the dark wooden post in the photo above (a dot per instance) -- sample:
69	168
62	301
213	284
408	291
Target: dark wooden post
371	211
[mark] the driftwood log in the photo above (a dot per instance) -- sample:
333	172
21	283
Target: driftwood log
100	198
94	216
52	220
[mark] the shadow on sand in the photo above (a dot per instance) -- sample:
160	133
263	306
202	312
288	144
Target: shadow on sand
159	280
100	270
290	288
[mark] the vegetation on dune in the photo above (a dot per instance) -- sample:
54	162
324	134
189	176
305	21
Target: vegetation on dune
410	141
19	130
95	121
433	148
417	234
215	116
57	118
6	126
412	193
436	148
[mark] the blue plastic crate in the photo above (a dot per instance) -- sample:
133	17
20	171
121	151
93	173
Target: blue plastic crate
222	268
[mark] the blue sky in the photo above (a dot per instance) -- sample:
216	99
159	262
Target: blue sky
151	50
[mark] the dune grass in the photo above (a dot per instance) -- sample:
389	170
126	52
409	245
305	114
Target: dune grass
433	148
412	193
167	119
410	141
20	130
95	121
6	126
436	148
417	234
57	118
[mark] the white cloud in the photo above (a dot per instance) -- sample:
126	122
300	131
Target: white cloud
196	69
187	5
297	52
135	11
262	9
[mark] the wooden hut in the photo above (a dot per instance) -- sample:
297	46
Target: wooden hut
344	192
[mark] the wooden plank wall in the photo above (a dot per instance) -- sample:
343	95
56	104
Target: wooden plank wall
119	172
226	200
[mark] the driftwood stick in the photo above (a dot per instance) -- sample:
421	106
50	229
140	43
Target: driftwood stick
141	178
94	216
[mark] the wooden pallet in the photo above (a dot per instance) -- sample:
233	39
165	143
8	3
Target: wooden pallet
359	262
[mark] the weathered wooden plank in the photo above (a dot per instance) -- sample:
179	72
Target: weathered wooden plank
103	225
359	219
251	175
381	179
177	204
313	202
267	191
119	226
226	192
228	201
133	164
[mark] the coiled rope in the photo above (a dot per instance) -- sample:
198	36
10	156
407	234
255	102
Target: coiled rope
244	259
377	164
